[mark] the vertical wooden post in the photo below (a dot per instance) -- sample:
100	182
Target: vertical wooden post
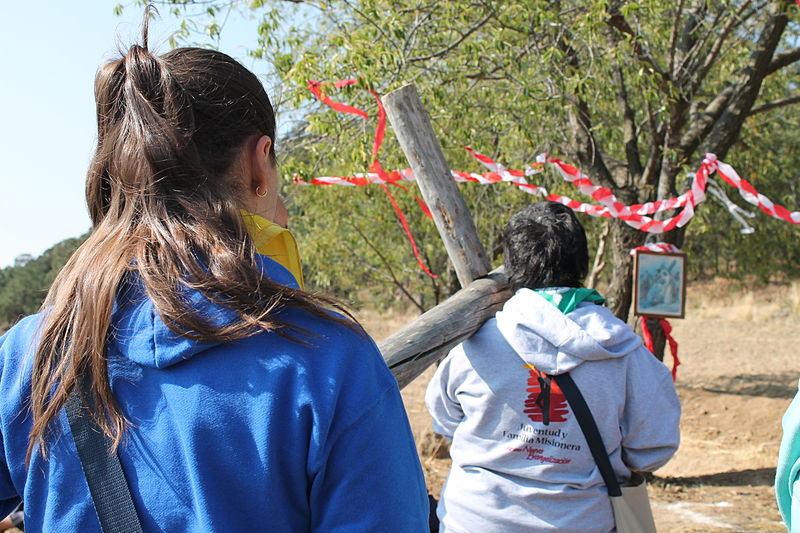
419	344
453	220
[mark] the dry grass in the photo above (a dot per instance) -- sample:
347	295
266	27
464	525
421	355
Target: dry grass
382	324
725	299
793	296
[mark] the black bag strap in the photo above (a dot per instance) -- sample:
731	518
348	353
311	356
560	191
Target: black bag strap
111	496
590	431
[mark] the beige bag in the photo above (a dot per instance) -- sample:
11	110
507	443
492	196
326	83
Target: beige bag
632	510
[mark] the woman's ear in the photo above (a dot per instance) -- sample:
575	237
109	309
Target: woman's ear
260	166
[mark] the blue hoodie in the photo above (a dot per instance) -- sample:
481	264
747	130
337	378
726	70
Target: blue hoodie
261	434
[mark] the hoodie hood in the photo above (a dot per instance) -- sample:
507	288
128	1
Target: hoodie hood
556	343
139	334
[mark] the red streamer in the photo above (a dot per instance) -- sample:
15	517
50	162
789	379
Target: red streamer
673	344
316	89
404	222
422	205
380	130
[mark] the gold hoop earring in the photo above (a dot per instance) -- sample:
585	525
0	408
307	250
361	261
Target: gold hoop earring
260	195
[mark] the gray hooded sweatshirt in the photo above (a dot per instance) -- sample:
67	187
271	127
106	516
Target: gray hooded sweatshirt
520	460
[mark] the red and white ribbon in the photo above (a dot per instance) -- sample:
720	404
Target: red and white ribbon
372	178
607	205
751	195
657	247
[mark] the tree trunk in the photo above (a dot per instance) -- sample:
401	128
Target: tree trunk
599	257
659	339
620	292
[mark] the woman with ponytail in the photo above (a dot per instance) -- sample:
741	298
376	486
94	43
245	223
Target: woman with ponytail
234	399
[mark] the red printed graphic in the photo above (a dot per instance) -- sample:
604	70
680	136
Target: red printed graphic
545	402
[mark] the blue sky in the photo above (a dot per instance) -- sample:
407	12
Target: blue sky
49	52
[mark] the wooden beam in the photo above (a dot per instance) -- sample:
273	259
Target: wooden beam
453	220
421	343
427	339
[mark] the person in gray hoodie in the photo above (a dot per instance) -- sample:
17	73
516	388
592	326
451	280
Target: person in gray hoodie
520	460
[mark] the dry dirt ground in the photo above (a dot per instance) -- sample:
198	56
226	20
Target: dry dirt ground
739	372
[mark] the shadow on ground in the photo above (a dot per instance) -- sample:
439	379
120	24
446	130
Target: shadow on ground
779	386
753	477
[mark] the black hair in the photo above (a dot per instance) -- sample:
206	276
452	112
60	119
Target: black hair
545	246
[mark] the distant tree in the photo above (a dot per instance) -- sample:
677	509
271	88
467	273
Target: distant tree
22	260
24	286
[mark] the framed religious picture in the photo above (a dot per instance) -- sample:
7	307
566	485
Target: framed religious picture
659	284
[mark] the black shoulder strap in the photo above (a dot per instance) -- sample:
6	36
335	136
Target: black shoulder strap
590	431
110	494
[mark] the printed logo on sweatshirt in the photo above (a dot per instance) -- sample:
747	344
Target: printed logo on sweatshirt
545	402
545	445
537	440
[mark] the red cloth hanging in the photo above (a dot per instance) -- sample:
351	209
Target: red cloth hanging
673	344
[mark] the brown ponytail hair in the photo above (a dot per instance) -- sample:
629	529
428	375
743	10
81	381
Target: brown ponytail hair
163	209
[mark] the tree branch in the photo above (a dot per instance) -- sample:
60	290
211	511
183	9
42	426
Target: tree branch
588	152
383	259
618	22
372	23
673	40
455	44
695	45
735	94
773	105
705	122
419	22
688	43
784	59
698	74
726	128
657	134
631	137
599	262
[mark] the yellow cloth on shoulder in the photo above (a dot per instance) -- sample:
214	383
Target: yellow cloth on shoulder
275	242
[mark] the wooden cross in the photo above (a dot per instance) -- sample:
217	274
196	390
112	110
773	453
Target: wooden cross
419	344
